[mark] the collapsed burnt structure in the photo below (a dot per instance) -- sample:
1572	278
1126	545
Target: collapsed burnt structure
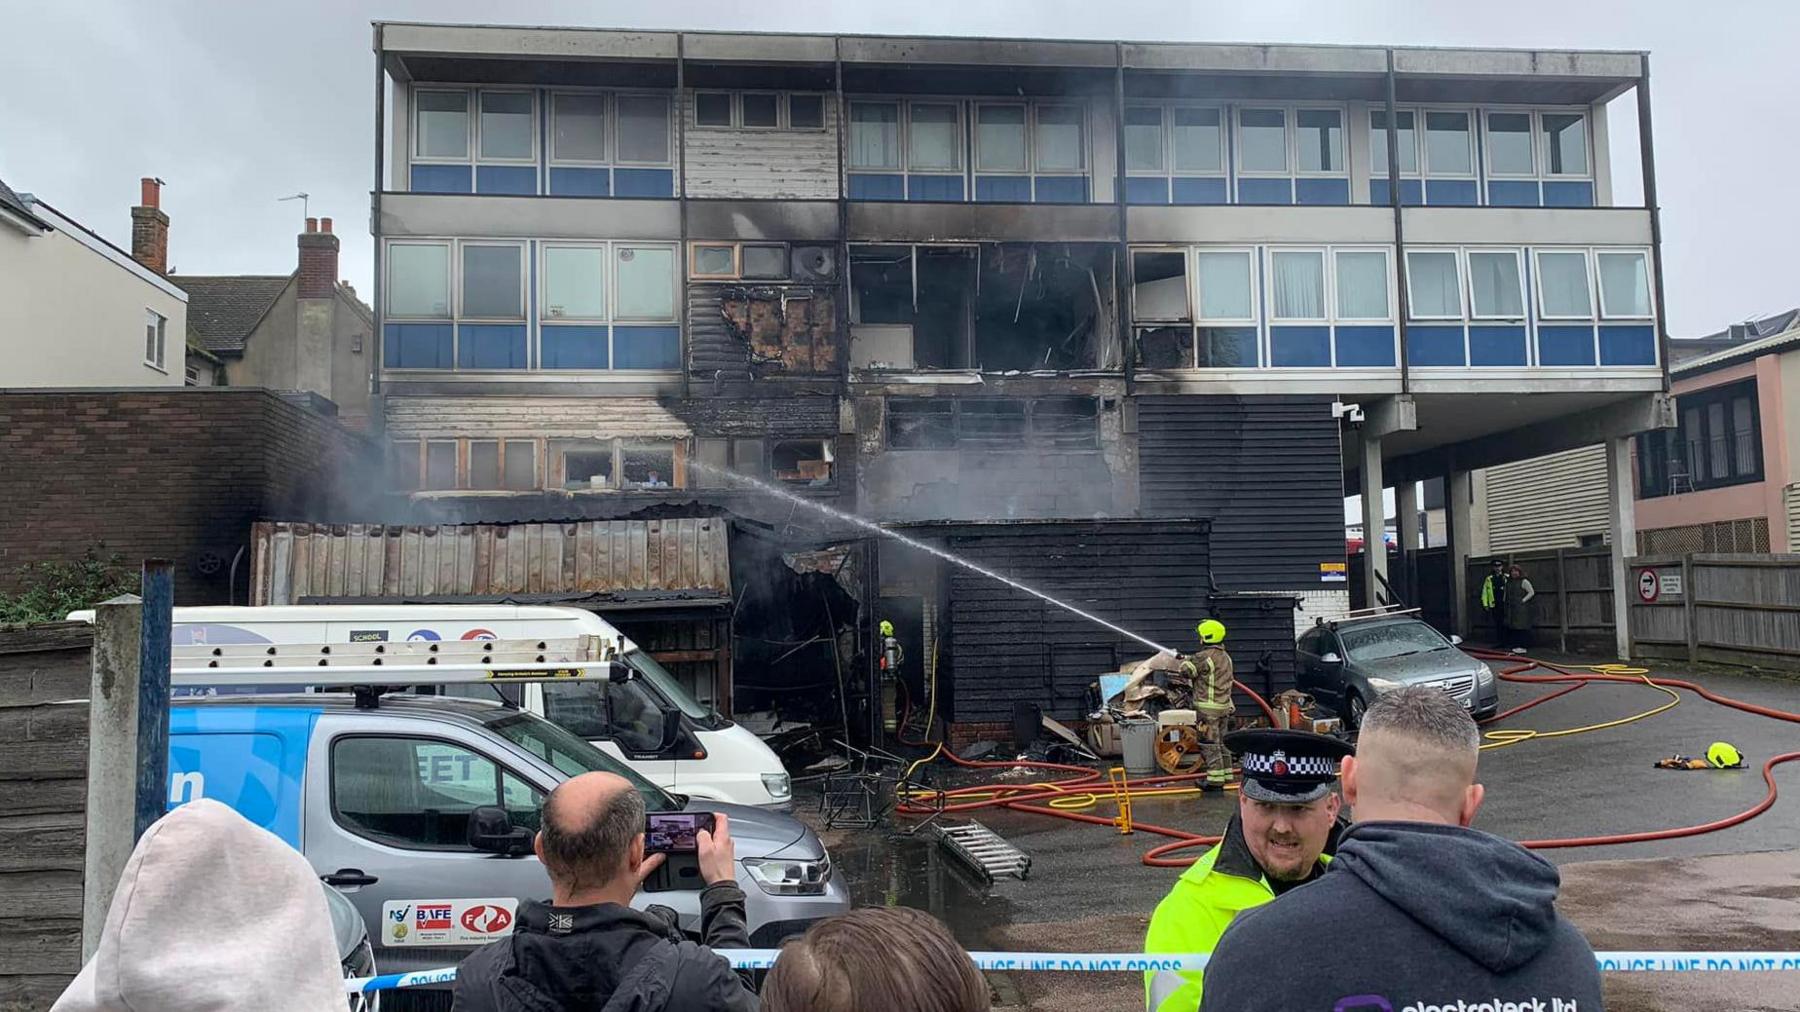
1115	319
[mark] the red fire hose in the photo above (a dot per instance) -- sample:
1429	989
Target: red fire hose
1021	797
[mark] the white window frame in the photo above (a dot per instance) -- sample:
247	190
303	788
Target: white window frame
1027	119
450	285
1468	269
606	134
787	111
902	116
1541	145
1194	293
737	110
1470	116
1328	294
612	292
1165	137
1192	307
615	125
1237	137
1378	138
471	112
1532	142
156	347
731	109
543	275
1031	136
1343	153
1463	297
536	140
963	135
1537	264
456	273
1331	284
1225	139
1643	254
693	264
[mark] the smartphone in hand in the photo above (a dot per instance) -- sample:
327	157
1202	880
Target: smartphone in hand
675	832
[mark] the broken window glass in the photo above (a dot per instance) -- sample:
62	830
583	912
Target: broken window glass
588	467
1066	423
874	135
1159	289
882	282
715	261
1226	348
484	463
801	461
914	424
997	423
521	464
1166	347
647	465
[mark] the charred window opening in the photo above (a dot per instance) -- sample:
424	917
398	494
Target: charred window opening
645	465
801	461
617	464
718	454
996	307
941	423
587	468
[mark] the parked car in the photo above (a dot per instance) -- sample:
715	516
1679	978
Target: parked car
1348	663
415	809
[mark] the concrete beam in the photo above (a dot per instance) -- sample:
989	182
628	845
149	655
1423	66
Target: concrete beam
1622	523
1618	420
923	222
455	214
1256	59
1525	63
978	52
1387	416
520	43
1251	224
734	47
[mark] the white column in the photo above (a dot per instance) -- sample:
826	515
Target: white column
1374	521
1457	491
1623	525
1406	513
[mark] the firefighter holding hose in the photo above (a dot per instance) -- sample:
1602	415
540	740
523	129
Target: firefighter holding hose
1208	678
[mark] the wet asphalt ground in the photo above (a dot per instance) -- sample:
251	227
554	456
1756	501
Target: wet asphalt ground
1089	891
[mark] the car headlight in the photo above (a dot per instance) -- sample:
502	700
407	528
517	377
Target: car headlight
779	786
1384	684
785	877
1485	675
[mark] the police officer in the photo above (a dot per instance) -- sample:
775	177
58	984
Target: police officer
1287	814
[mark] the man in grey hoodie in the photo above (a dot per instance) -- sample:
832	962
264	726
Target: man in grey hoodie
1418	911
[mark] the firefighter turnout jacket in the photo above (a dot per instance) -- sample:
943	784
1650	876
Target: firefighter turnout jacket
1191	919
1212	675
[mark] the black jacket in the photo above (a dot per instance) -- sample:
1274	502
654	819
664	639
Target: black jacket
609	958
1410	915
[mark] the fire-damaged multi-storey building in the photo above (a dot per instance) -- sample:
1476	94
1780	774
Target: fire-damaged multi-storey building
1125	321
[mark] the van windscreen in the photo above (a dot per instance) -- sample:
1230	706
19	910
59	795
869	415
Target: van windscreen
669	687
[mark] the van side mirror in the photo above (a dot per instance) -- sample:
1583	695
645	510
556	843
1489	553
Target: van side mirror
491	830
1331	659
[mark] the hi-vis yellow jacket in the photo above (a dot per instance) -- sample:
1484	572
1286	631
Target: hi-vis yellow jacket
1197	911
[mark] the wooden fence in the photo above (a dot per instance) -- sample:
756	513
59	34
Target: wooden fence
1726	609
1572	612
45	674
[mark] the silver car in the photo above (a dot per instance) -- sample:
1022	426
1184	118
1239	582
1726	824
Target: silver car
1346	664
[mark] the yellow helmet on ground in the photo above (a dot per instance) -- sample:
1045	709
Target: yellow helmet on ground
887	628
1723	754
1211	631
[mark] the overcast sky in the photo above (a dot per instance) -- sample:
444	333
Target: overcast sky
236	104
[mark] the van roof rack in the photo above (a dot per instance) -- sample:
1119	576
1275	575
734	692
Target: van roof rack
1364	614
355	666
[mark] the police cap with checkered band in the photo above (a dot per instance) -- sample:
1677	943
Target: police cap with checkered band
1286	767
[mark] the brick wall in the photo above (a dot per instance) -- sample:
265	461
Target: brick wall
178	474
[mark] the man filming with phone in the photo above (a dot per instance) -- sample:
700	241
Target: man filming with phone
587	948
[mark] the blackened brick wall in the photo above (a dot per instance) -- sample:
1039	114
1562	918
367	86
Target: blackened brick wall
178	474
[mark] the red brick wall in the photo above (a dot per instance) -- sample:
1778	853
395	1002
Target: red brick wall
178	474
318	265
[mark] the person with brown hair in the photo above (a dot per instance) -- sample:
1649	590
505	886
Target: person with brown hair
892	958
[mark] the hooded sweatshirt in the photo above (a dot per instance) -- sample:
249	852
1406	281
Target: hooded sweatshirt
1411	917
212	913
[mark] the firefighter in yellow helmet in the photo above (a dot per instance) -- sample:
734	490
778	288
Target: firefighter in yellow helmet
1213	678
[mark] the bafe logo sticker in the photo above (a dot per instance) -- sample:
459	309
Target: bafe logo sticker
449	922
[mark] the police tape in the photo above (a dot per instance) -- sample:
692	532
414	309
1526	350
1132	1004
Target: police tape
1139	962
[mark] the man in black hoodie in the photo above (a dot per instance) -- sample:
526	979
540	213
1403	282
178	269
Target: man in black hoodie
588	950
1418	913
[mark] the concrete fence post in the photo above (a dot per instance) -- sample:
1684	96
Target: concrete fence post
1562	602
1688	611
154	659
112	759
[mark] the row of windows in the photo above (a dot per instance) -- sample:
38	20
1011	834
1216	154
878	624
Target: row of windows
1048	423
606	465
499	125
759	110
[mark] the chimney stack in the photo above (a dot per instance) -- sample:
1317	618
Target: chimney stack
318	260
150	228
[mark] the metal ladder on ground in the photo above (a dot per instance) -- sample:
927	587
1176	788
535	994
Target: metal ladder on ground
984	851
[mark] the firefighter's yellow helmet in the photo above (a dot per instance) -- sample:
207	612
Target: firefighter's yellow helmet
1211	631
1722	754
887	628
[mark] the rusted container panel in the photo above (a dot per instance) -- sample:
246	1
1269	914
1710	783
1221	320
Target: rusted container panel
292	563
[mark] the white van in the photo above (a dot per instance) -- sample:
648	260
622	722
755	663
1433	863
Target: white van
650	722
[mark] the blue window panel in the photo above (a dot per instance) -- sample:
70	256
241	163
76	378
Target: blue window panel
440	179
491	346
878	186
1300	346
1321	191
1568	194
1565	345
1497	345
647	347
1512	193
1007	189
517	180
1146	190
581	182
1365	346
1412	192
934	188
643	182
1266	191
569	346
1202	190
416	346
1451	192
1227	347
1062	189
1633	345
1434	344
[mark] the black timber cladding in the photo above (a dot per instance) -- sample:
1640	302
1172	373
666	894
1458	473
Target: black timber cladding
1004	645
1266	471
715	356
